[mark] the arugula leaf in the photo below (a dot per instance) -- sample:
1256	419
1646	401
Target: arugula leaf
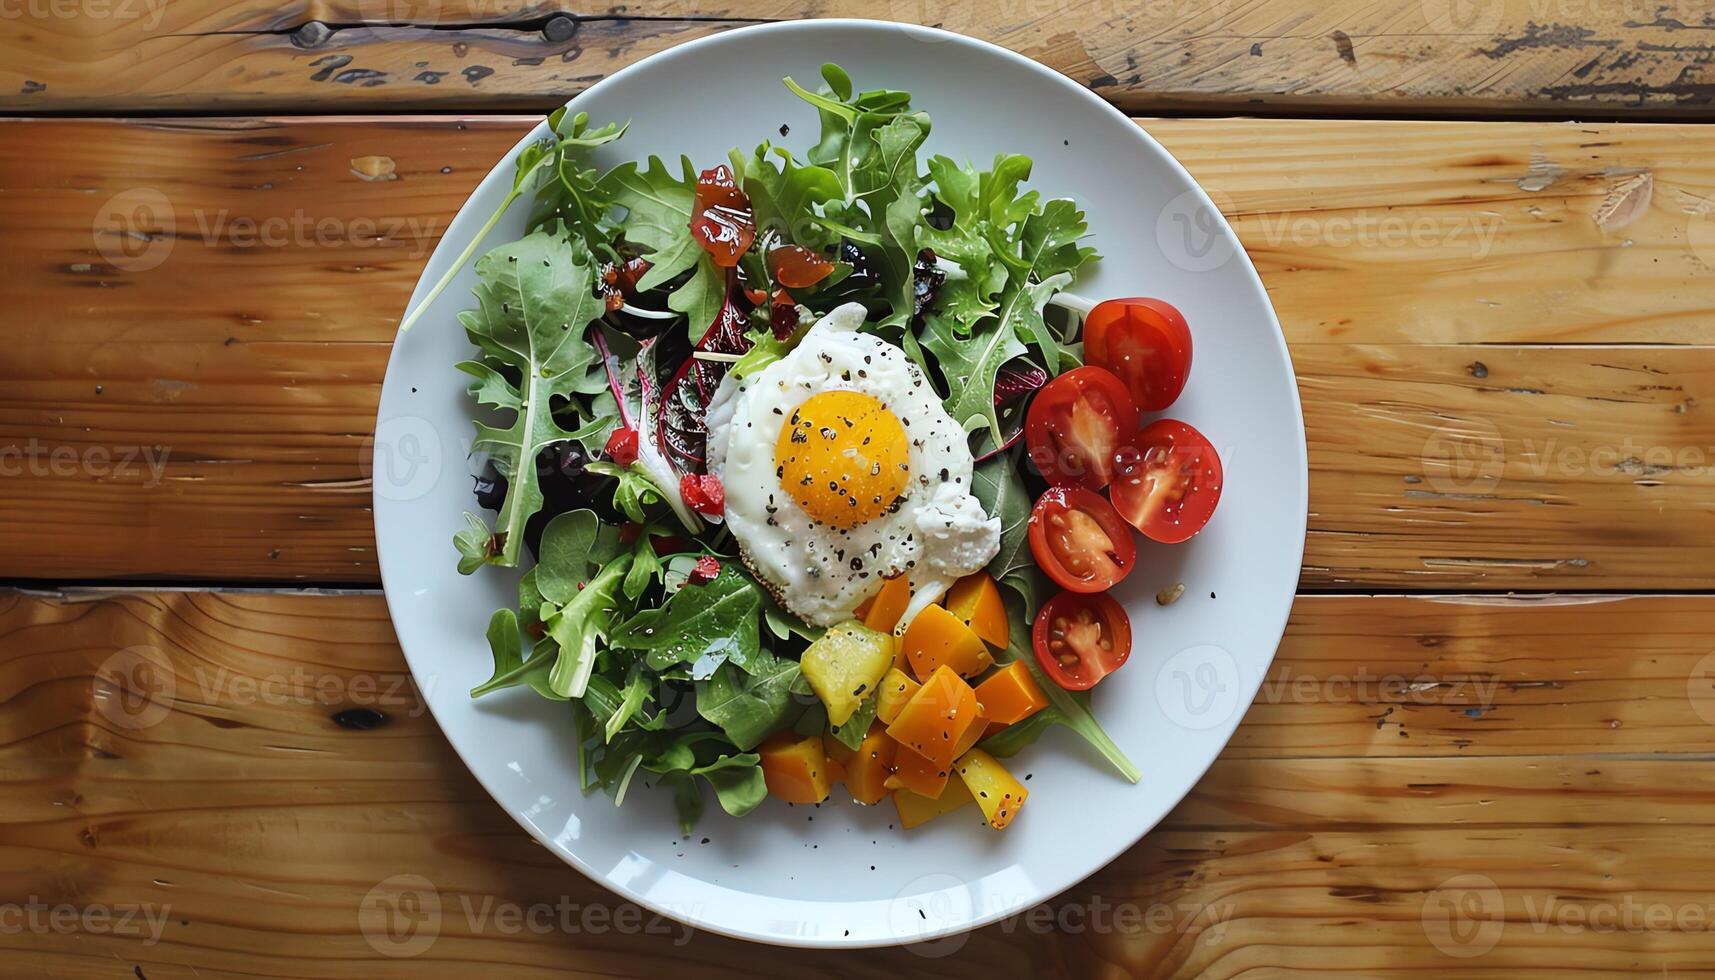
631	698
969	365
1064	707
997	483
657	215
701	625
747	706
536	298
784	196
700	298
572	139
475	544
580	625
510	667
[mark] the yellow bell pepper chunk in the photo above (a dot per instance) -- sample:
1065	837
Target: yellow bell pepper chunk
998	794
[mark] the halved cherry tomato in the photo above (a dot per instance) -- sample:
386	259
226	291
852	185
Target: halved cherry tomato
1080	639
1146	343
1167	480
1080	540
1075	424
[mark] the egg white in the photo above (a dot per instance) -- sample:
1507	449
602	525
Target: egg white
937	534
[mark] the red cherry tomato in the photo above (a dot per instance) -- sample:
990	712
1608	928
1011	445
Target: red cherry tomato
1076	423
706	570
1080	639
1167	480
703	493
622	446
1146	343
1080	540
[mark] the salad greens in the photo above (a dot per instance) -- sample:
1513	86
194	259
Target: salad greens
674	663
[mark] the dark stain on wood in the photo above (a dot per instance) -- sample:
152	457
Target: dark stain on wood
1550	36
329	64
31	88
476	73
1343	44
430	77
360	719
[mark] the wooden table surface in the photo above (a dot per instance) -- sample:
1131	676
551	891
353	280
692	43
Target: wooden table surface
1487	742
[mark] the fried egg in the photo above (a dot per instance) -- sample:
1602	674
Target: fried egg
842	469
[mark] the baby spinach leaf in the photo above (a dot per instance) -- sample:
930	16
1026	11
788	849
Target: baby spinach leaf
852	733
510	667
747	706
574	545
737	781
717	621
536	298
997	483
631	697
580	625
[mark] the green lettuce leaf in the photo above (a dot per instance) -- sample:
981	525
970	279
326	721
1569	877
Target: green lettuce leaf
581	624
747	705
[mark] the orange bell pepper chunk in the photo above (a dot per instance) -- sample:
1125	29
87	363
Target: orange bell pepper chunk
888	605
1011	694
796	769
975	599
938	638
936	719
870	766
895	690
918	775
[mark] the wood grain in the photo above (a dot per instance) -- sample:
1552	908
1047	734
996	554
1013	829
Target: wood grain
1561	59
1523	409
256	824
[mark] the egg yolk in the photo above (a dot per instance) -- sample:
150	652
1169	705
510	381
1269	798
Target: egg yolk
843	457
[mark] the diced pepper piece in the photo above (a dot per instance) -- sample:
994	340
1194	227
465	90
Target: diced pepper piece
976	600
839	758
889	604
795	768
845	665
997	792
1011	694
918	775
897	687
938	638
933	723
915	810
870	765
973	734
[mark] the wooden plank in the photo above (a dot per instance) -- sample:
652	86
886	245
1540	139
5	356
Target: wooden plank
1561	59
1508	396
1321	840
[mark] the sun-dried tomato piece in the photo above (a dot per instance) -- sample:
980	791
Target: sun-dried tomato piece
721	219
796	267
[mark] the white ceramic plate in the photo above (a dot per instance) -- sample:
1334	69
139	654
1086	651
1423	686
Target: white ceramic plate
837	875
